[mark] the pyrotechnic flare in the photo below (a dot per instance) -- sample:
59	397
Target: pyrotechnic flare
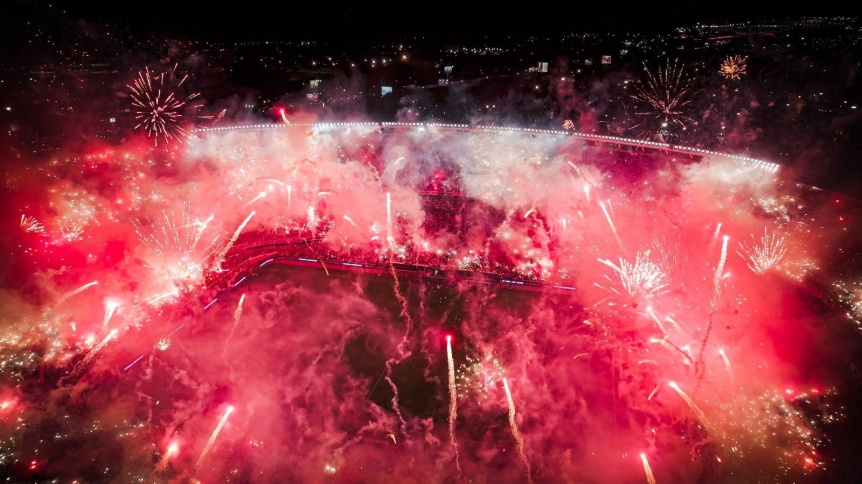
453	402
171	451
727	364
159	106
763	256
519	440
32	226
82	365
568	125
733	67
643	278
649	477
212	440
227	247
164	344
611	223
694	408
70	294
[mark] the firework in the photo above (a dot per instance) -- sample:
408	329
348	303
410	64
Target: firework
245	164
726	364
111	307
519	440
643	278
568	124
453	401
663	96
733	67
70	294
159	106
389	238
763	256
175	242
68	230
164	344
655	318
479	376
715	235
32	226
82	365
220	258
649	477
693	406
610	221
212	440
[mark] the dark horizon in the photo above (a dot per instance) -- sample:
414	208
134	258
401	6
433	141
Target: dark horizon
196	22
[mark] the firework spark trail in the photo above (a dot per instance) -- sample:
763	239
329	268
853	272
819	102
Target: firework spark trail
763	256
667	344
727	365
223	254
110	309
212	440
654	391
389	237
453	402
611	223
656	319
674	323
284	116
70	294
289	195
258	197
649	477
715	237
401	351
82	365
351	221
236	315
716	296
519	440
693	406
